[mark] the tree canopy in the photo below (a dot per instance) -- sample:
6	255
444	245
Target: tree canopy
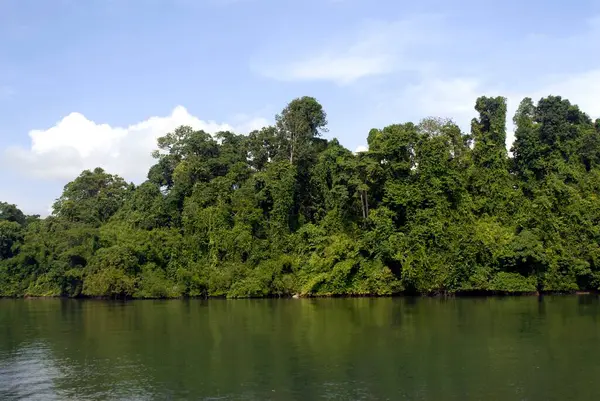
427	209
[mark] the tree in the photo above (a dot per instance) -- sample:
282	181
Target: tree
426	209
263	146
527	147
92	198
11	236
10	212
490	182
302	120
489	133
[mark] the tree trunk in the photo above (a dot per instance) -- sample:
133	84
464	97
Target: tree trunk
364	203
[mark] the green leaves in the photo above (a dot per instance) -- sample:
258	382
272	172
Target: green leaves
11	235
282	212
11	213
298	125
92	198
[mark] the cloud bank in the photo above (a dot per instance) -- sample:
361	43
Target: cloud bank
76	143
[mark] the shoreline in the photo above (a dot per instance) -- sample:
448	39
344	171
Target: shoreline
469	294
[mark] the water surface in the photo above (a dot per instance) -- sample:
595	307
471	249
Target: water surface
308	349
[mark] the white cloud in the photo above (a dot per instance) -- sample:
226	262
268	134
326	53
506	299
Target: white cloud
361	148
75	143
341	69
244	123
445	97
379	48
581	89
455	97
439	97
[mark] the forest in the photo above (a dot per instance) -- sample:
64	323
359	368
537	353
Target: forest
428	209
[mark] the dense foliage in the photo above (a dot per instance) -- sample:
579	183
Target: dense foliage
427	209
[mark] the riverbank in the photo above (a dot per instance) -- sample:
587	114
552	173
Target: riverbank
463	294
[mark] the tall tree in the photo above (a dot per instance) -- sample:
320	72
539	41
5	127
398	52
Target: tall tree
490	182
299	123
12	213
92	198
282	211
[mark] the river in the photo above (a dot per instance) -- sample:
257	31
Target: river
513	348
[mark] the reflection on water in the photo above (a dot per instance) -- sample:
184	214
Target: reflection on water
330	349
28	374
31	372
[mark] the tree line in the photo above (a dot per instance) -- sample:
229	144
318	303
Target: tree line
428	209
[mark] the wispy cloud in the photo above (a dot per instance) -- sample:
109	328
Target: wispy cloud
536	66
379	48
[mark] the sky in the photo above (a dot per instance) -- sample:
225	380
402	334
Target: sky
93	83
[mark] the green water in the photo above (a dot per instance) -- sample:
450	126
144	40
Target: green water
305	349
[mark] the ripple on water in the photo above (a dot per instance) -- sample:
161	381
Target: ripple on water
29	373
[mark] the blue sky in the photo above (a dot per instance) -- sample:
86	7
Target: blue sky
94	82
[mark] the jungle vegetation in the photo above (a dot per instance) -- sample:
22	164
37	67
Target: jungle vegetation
428	209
